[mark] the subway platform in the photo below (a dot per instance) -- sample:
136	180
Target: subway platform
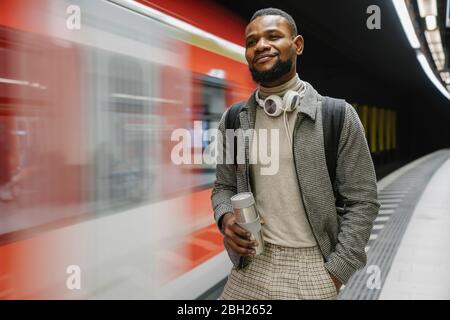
408	254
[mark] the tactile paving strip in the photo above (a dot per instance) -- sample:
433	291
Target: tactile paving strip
398	201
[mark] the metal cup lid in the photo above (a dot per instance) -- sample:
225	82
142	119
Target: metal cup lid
242	200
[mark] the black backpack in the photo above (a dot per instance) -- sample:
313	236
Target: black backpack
333	114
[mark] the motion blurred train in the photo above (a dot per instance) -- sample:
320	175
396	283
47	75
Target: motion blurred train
91	204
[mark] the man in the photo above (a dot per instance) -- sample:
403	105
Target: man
310	250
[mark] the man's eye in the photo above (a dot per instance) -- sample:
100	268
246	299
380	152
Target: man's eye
250	43
274	37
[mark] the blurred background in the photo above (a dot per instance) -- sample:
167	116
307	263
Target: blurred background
91	91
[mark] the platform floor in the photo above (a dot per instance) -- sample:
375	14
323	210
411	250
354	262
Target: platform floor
421	268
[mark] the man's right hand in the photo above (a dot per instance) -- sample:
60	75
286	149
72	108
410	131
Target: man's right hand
237	237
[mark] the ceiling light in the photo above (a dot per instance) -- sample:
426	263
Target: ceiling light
433	48
433	36
405	19
427	8
426	68
431	22
445	77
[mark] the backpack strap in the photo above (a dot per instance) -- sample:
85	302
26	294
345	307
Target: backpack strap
232	118
232	122
333	115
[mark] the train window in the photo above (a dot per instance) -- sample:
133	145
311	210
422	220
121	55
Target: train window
213	101
125	142
212	105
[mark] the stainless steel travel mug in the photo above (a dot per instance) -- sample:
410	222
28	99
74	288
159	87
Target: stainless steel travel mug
248	218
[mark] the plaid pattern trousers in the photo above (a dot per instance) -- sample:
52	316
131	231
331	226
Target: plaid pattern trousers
281	273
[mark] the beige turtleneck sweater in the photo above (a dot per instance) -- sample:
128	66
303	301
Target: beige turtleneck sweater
278	199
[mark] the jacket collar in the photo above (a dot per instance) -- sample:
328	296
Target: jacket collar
308	105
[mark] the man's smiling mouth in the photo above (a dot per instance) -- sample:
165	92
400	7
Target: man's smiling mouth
264	58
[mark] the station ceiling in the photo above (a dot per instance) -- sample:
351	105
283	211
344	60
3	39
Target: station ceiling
344	58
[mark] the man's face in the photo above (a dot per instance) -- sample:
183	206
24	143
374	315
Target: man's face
271	49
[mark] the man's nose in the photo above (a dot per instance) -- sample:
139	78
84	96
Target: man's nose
262	44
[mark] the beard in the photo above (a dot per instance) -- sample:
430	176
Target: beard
279	69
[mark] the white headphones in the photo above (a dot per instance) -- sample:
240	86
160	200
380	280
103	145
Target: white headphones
274	105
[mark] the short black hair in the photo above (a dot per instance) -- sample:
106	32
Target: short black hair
276	12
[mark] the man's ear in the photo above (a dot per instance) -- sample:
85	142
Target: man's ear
299	44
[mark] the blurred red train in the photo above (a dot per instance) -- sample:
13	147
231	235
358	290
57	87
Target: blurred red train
91	205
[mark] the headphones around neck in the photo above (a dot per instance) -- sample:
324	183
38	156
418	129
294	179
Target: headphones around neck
274	105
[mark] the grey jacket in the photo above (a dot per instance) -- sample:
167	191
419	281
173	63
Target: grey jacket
341	238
